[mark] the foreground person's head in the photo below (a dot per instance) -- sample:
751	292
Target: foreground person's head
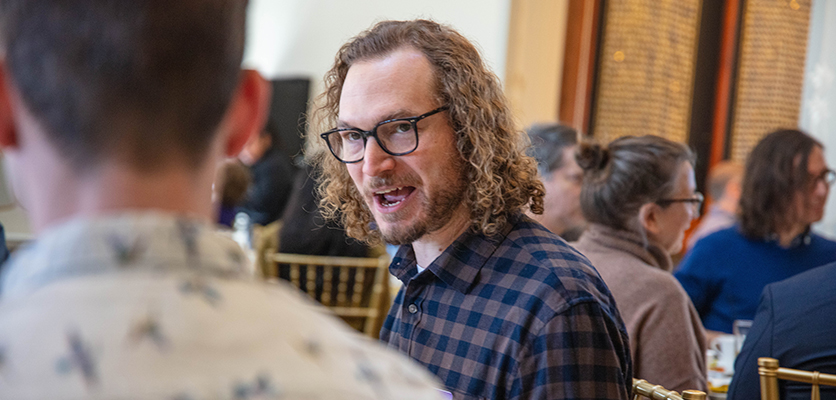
641	184
136	92
464	166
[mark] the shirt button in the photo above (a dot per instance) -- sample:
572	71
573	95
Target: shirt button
412	309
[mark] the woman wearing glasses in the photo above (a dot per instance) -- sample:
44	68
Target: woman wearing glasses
639	197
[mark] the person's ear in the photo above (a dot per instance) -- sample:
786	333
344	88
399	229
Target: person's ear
649	218
247	112
8	131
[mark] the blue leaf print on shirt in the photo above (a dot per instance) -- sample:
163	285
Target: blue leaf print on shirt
80	358
312	347
126	252
366	373
261	388
199	285
188	234
148	328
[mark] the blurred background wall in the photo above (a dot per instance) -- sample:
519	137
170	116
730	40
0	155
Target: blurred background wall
818	100
301	37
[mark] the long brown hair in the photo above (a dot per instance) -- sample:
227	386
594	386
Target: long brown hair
502	179
775	171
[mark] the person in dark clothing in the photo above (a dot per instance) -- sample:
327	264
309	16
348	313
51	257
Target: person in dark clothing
272	175
304	231
794	324
4	251
234	179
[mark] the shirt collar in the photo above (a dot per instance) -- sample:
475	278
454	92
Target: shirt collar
136	241
459	265
803	239
629	242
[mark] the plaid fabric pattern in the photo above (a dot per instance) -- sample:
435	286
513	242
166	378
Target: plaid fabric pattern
520	315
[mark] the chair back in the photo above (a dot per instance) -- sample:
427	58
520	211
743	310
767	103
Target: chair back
642	388
770	372
354	289
265	240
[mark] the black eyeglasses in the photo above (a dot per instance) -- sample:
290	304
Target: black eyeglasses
827	176
695	201
396	137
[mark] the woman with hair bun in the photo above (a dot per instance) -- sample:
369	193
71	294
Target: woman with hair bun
639	196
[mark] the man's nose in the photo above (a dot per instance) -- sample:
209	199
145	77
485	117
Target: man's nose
822	188
375	160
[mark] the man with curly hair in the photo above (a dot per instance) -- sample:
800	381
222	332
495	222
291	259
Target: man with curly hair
424	154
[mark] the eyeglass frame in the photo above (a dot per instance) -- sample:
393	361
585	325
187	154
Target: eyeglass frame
373	133
697	200
827	176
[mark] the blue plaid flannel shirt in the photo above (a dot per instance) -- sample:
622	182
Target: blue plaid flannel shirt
520	315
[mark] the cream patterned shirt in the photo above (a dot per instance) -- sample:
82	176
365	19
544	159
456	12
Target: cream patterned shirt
150	306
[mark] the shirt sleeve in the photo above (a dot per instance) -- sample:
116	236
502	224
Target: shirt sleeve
581	353
746	381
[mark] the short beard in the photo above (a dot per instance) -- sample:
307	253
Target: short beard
439	212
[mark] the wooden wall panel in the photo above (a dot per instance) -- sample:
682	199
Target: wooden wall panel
646	69
535	59
771	71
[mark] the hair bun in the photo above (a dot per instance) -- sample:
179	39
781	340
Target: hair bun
591	156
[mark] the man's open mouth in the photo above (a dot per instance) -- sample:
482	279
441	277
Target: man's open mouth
394	196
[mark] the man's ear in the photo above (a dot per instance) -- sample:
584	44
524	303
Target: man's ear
8	131
649	218
247	112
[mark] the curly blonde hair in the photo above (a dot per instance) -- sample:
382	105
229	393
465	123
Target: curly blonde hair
502	179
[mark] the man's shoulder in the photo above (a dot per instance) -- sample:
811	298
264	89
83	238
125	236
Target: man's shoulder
561	274
813	282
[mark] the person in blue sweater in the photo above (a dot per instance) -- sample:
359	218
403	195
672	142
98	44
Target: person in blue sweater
785	189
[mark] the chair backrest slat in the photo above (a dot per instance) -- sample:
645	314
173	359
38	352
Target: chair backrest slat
770	372
327	278
352	287
642	388
357	290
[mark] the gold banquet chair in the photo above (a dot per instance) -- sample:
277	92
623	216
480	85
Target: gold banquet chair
641	388
265	240
355	289
770	372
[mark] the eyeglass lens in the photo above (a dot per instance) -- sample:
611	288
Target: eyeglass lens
394	137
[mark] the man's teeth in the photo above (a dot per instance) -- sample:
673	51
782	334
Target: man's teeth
387	204
388	190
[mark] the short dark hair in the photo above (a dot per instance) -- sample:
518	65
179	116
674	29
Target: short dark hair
138	79
776	169
630	172
547	144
